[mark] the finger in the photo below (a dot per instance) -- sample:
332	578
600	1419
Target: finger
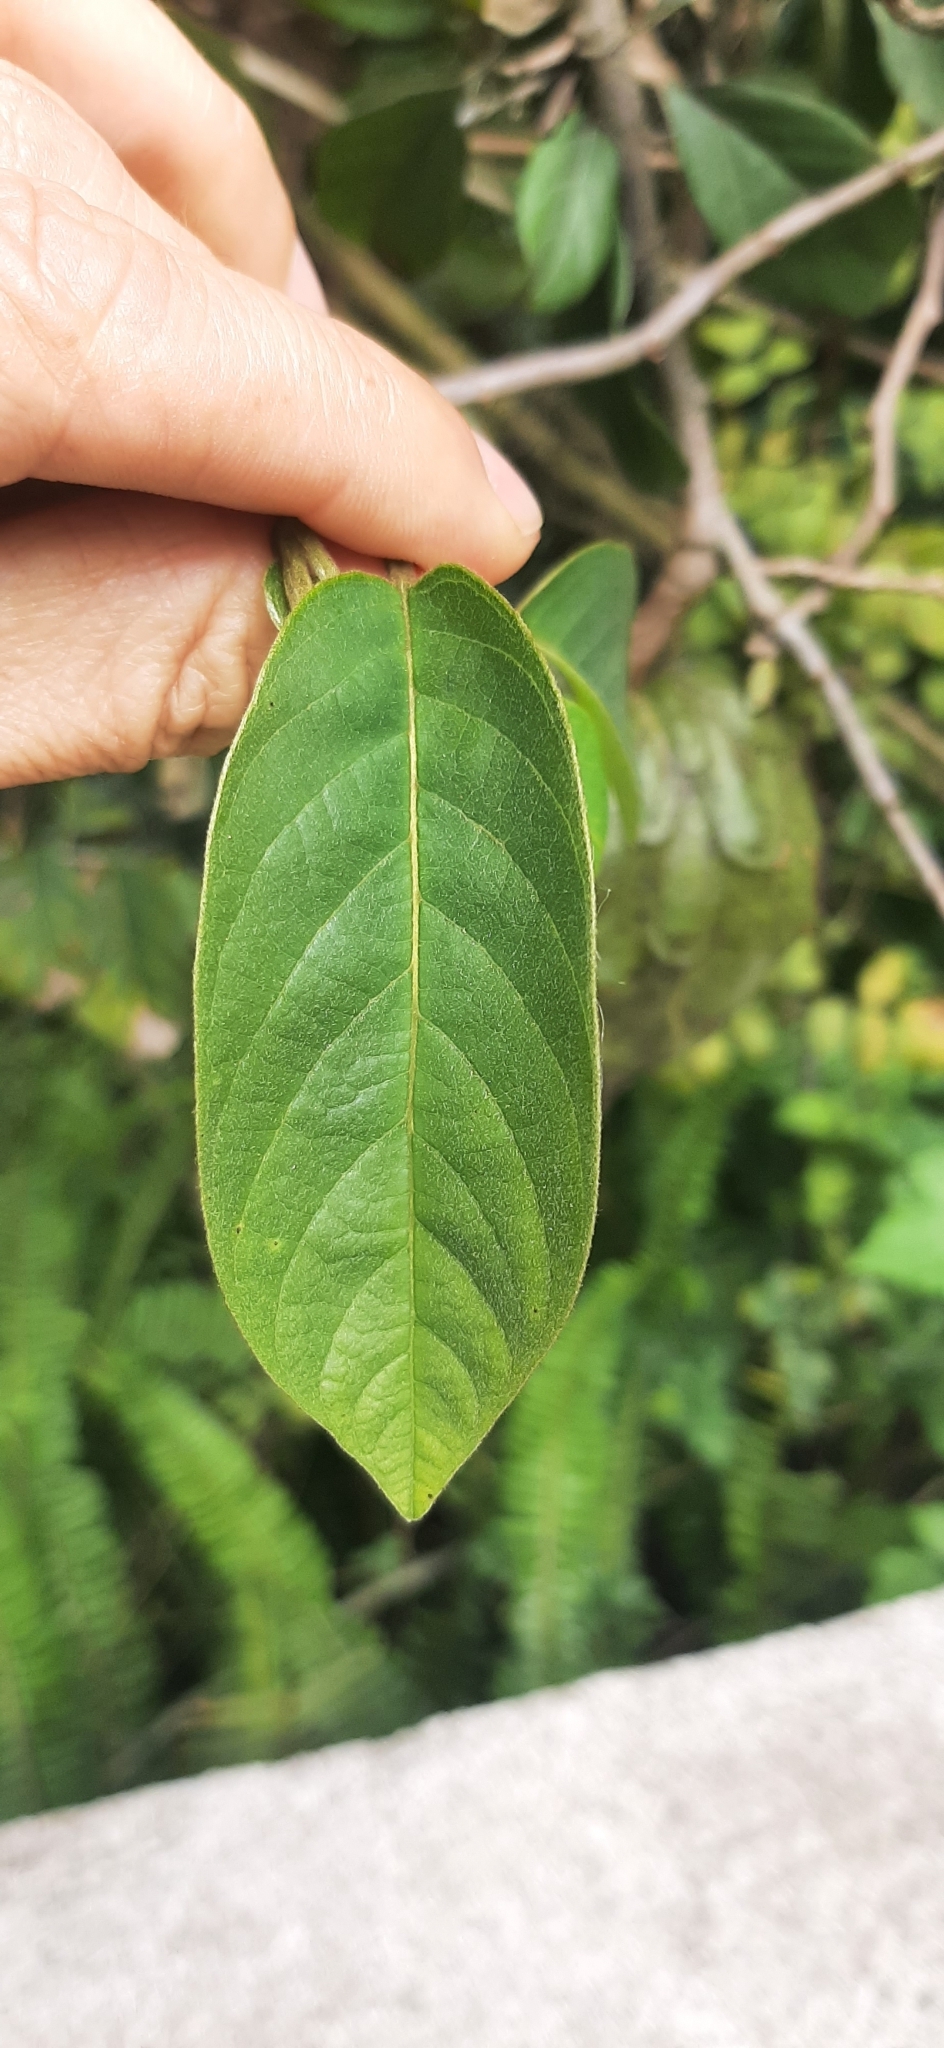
45	139
151	645
182	133
129	364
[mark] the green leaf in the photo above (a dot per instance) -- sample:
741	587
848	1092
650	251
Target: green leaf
627	407
816	143
915	65
593	782
566	212
622	279
392	179
906	1245
584	612
749	151
581	616
397	1064
736	184
482	271
276	602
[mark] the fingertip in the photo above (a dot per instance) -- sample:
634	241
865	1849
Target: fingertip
303	284
511	490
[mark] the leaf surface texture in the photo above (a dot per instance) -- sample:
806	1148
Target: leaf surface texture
396	1032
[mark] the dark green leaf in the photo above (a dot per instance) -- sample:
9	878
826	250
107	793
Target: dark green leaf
815	143
395	72
749	151
482	271
622	279
584	610
627	406
393	180
836	43
566	211
397	1059
735	183
581	616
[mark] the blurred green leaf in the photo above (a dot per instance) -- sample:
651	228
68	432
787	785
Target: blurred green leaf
393	179
566	212
906	1245
583	610
722	874
593	779
581	616
734	182
751	150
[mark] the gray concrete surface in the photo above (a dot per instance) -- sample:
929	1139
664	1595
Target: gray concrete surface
738	1850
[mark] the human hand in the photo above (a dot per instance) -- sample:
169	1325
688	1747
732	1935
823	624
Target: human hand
166	343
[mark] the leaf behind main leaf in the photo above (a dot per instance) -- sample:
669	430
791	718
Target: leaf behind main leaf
581	616
397	1061
750	150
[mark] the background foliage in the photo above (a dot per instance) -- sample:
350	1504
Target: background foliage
743	1425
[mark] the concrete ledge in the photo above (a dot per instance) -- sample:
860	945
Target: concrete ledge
737	1850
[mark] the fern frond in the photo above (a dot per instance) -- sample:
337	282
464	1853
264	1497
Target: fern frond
74	1672
291	1665
569	1491
686	1152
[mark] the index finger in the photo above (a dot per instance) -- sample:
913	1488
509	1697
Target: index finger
132	364
183	134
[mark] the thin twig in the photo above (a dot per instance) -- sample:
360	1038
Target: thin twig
286	82
710	523
805	568
488	142
405	1582
602	31
910	721
924	315
796	637
579	362
929	368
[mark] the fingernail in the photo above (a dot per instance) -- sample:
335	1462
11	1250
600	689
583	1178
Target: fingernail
303	283
511	489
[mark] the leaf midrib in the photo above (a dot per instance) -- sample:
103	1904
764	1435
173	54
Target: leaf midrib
413	834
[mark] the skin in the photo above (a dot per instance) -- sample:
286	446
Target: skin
170	379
